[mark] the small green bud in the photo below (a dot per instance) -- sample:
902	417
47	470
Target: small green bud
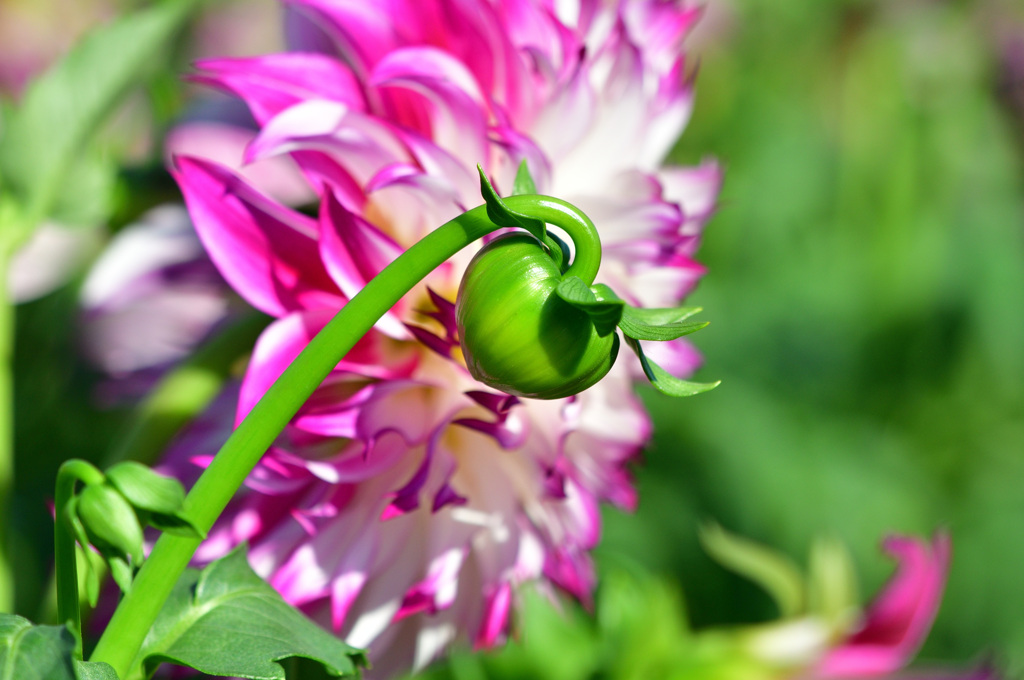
110	522
517	334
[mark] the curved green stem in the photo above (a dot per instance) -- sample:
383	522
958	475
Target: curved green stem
119	646
70	472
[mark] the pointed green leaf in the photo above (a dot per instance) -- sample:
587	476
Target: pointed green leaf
651	324
499	213
43	156
660	316
665	382
774	572
503	216
29	652
225	620
604	313
524	183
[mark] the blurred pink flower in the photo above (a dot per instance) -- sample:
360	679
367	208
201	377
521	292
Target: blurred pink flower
405	502
896	624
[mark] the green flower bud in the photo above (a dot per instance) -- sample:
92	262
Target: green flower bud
517	334
110	522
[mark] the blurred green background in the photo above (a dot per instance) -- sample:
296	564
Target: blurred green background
866	294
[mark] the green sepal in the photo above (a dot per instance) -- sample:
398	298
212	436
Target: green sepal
82	559
503	216
659	324
88	574
604	312
774	572
524	183
158	499
110	522
665	382
226	621
121	572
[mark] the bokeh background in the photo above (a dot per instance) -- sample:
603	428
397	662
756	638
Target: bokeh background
866	298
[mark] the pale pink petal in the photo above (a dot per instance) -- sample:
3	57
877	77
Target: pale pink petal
225	144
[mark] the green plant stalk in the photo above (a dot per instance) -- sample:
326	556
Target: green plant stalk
70	472
14	229
121	641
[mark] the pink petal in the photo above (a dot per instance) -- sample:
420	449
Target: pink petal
458	110
354	252
497	604
265	251
272	83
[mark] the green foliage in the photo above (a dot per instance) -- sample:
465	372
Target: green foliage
45	155
29	652
225	620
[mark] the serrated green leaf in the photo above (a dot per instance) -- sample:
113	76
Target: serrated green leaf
30	652
44	141
146	489
227	621
665	382
604	313
524	183
774	572
91	670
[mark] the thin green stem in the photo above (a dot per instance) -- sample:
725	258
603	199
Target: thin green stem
120	644
70	473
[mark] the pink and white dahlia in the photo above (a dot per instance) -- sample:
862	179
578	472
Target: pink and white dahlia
406	501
